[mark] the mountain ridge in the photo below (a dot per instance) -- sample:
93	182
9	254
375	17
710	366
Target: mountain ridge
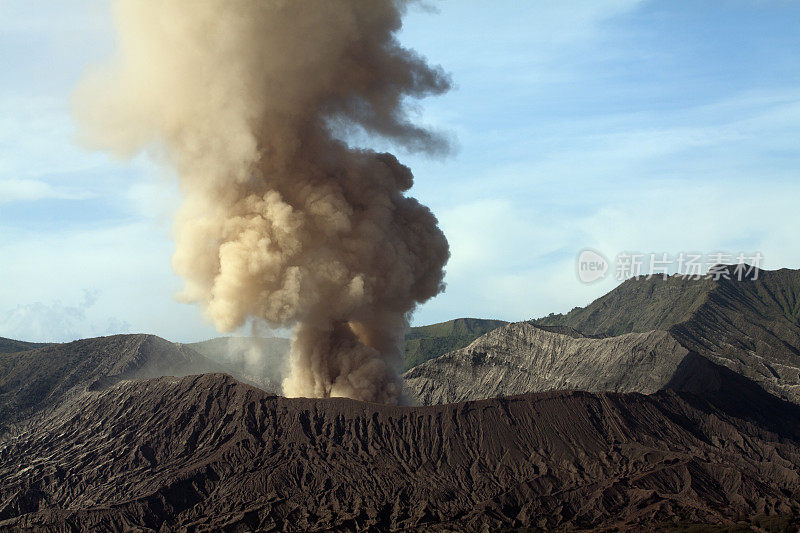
12	345
521	357
751	327
50	376
207	452
98	442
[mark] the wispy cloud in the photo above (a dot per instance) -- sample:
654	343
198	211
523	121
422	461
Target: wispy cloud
57	321
30	190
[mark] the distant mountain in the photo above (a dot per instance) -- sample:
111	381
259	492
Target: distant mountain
12	346
428	342
34	380
207	453
37	375
751	327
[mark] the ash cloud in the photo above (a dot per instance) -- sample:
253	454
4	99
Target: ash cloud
281	220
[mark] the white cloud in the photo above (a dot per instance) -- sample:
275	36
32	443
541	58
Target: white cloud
57	322
36	140
128	265
29	190
508	261
704	183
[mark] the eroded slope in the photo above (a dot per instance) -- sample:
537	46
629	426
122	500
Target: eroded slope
751	326
207	453
521	358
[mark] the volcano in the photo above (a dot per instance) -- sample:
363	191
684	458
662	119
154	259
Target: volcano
653	408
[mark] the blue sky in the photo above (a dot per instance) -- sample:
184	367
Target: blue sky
616	125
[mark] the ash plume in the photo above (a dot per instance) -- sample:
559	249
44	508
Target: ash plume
281	220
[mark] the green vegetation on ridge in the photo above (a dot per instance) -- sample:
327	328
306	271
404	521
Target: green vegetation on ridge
428	342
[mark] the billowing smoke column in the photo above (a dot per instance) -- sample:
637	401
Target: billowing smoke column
281	220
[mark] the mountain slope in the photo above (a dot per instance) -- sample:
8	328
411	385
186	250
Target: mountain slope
521	358
753	328
13	346
750	326
50	376
208	453
637	305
